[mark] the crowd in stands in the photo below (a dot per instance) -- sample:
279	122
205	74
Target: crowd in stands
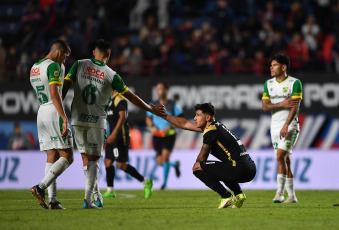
173	37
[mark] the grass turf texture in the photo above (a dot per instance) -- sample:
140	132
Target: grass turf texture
171	210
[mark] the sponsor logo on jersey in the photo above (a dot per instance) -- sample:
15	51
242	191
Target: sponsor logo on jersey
285	89
35	72
95	73
56	138
88	118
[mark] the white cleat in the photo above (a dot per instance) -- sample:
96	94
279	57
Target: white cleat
291	199
279	198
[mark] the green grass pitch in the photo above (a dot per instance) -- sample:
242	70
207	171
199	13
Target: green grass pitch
171	210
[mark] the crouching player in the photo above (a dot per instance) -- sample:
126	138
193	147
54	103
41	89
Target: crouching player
235	165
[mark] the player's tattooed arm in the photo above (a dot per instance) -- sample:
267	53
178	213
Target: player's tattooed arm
182	123
204	152
287	103
291	116
65	88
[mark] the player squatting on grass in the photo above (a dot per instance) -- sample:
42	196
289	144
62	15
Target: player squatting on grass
55	137
235	165
94	83
282	96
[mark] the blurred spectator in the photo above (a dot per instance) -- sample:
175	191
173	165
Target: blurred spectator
10	64
297	50
135	17
327	54
24	66
310	30
163	17
18	141
135	61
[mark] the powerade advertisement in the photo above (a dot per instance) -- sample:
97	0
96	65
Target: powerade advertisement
313	169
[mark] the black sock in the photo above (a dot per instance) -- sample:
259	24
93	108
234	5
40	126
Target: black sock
212	183
235	187
110	173
134	173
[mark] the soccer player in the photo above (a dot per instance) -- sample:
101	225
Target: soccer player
282	96
117	146
94	83
235	165
164	133
55	138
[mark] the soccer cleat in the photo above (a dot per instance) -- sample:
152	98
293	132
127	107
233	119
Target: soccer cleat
148	187
226	202
99	203
40	195
163	187
239	200
109	195
88	205
335	204
177	169
291	199
55	205
279	198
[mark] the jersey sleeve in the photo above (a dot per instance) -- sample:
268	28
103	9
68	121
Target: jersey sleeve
53	73
178	110
118	84
265	95
122	106
71	76
210	137
297	91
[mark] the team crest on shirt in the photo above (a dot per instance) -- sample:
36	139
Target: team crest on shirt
285	89
56	73
288	144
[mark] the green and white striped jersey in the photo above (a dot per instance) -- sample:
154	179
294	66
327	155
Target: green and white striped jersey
44	73
277	92
94	83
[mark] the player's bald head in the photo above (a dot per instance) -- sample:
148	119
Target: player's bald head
60	44
103	47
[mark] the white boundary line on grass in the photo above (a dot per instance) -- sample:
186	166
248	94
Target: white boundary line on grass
119	196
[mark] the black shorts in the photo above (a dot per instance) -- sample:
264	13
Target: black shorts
160	143
226	172
117	153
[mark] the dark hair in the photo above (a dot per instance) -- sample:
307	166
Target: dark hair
103	46
164	84
282	59
61	44
206	108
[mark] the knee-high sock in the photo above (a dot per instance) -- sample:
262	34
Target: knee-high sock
281	180
134	173
110	173
212	183
91	173
96	192
56	169
52	190
290	186
235	187
165	168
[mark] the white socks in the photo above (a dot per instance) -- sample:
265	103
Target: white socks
281	180
144	182
97	194
290	186
91	172
52	190
55	170
110	189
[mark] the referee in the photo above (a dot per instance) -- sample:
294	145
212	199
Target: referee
235	165
163	132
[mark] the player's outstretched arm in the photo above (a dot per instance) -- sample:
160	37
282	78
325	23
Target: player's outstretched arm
287	103
55	96
182	123
158	110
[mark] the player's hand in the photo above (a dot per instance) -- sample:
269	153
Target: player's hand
154	130
65	128
289	103
110	139
159	110
284	131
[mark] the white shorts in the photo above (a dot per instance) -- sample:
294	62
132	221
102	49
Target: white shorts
49	125
89	140
284	143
